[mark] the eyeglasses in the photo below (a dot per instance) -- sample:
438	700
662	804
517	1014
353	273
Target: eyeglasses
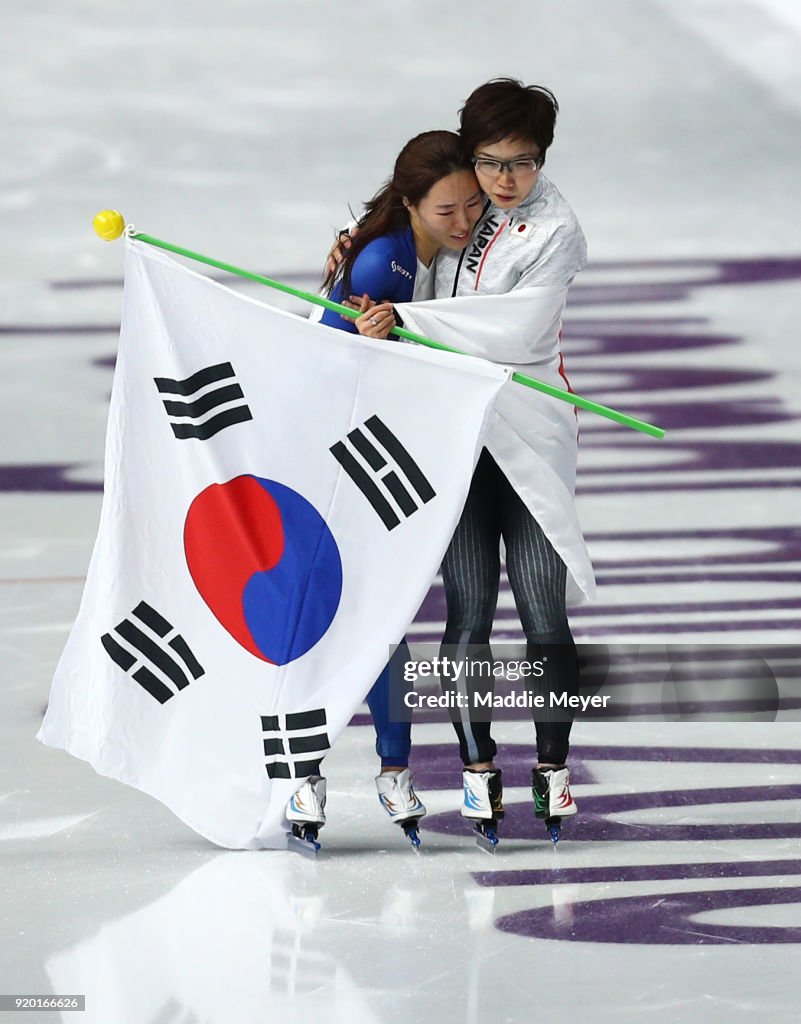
494	168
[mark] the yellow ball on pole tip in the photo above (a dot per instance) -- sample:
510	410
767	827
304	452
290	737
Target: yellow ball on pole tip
108	224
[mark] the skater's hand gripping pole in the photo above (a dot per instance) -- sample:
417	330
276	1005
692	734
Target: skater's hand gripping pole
110	225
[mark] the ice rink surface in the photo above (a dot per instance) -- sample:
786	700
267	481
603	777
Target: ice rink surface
245	130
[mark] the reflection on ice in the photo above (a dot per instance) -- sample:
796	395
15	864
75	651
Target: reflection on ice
246	935
239	939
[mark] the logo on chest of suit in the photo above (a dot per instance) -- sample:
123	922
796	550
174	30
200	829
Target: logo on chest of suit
398	269
521	228
485	233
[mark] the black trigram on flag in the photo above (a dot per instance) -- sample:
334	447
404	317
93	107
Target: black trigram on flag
191	418
377	478
295	743
140	646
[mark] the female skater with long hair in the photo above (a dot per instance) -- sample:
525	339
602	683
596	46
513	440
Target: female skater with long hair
431	203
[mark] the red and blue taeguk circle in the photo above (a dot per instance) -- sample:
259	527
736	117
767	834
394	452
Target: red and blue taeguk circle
266	564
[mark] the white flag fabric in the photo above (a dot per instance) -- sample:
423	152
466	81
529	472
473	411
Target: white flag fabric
278	498
532	436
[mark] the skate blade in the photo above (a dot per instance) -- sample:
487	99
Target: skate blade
305	847
411	832
414	839
487	841
554	827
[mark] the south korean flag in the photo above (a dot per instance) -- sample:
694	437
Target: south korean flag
278	497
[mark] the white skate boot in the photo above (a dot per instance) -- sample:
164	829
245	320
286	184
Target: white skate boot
483	805
552	798
306	812
398	798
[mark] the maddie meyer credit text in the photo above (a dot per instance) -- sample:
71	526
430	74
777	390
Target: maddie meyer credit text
456	670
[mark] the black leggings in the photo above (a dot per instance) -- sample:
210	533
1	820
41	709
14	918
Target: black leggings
537	575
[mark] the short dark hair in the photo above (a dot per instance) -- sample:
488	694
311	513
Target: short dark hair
505	107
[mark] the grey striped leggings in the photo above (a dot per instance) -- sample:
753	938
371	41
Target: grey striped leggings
537	575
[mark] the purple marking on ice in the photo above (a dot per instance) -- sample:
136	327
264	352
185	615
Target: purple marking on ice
589	632
87	284
433	609
360	718
705	455
679	607
675	416
665	378
638	873
46	478
669	486
437	766
91	283
578	326
745	270
720	271
783	544
596	820
656	919
621	343
586	632
48	329
759	708
637	577
688	755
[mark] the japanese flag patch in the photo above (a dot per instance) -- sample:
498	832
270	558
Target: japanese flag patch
521	228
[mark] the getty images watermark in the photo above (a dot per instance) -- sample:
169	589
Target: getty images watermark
620	682
452	673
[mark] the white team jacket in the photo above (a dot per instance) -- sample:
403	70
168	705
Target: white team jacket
502	298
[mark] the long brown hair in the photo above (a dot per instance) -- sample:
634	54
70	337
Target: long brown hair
422	162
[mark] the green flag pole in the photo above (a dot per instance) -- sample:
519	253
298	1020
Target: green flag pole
110	225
